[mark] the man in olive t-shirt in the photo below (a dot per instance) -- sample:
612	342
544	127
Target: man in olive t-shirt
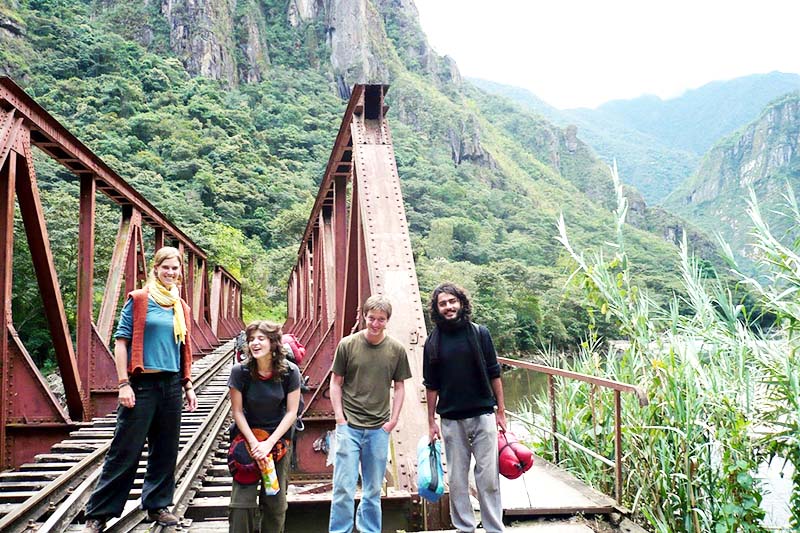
365	365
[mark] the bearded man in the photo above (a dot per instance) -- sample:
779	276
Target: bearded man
463	385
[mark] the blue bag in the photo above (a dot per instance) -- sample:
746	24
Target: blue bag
430	474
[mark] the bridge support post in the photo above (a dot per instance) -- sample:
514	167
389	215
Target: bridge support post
357	244
8	175
30	415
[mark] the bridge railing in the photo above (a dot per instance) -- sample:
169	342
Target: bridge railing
31	417
617	387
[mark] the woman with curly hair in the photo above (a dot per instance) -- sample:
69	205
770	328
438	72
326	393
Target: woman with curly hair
265	395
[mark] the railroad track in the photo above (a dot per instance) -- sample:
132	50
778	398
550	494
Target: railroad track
48	495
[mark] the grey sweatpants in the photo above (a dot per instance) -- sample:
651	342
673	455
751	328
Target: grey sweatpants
476	437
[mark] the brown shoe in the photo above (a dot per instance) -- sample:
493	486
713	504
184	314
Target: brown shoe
163	517
94	525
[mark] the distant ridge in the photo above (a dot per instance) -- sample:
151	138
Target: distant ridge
765	156
699	117
658	143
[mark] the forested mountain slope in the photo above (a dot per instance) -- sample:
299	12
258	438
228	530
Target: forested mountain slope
659	143
222	113
764	156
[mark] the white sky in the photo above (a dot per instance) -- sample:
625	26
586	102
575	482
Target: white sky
581	53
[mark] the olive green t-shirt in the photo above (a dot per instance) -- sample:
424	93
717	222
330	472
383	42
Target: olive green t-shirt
368	372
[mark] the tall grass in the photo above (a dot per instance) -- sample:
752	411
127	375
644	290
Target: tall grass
714	383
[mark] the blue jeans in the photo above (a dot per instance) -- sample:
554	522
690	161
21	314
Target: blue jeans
370	447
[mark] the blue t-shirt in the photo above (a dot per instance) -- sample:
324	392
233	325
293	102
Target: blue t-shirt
160	351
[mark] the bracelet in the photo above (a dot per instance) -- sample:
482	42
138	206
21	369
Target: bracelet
124	383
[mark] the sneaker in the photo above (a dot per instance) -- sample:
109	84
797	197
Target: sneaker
163	517
94	525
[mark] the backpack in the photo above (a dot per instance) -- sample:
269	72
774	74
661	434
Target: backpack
298	351
239	354
298	424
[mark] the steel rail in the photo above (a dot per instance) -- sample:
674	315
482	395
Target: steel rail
187	458
85	473
187	488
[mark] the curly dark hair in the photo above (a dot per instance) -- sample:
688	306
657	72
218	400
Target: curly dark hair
273	332
455	290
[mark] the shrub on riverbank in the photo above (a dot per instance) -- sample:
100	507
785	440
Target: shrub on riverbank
714	385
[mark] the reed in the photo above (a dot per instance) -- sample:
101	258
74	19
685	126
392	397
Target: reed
722	398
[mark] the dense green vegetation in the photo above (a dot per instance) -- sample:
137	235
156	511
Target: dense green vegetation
237	167
723	398
658	143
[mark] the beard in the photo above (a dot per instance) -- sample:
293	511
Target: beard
450	324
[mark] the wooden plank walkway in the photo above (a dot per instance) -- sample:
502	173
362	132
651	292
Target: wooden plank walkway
548	490
222	527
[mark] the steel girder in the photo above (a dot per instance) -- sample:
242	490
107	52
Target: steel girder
31	418
357	244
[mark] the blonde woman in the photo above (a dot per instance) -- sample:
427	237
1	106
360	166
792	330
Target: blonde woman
154	363
265	395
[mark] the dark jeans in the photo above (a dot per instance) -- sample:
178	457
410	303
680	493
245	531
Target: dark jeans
156	417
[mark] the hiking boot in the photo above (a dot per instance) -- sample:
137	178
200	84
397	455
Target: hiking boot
94	525
163	517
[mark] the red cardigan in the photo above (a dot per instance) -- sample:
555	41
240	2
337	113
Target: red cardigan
136	364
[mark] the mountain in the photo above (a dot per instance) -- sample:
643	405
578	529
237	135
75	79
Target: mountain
764	156
699	117
222	113
658	143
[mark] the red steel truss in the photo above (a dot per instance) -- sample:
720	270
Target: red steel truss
31	418
356	244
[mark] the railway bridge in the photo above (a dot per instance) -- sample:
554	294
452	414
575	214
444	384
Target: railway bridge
356	243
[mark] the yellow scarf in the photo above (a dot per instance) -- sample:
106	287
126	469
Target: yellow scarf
170	298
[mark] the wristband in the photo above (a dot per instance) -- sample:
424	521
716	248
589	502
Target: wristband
124	383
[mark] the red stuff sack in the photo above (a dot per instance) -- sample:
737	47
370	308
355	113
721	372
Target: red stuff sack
298	350
515	457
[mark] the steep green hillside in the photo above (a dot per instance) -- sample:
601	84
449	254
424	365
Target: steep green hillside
223	114
764	156
698	118
658	143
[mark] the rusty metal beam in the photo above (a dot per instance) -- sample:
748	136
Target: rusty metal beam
85	287
30	207
50	136
8	177
108	308
226	304
356	243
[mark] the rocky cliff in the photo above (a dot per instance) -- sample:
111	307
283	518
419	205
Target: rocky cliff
764	156
231	40
350	41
